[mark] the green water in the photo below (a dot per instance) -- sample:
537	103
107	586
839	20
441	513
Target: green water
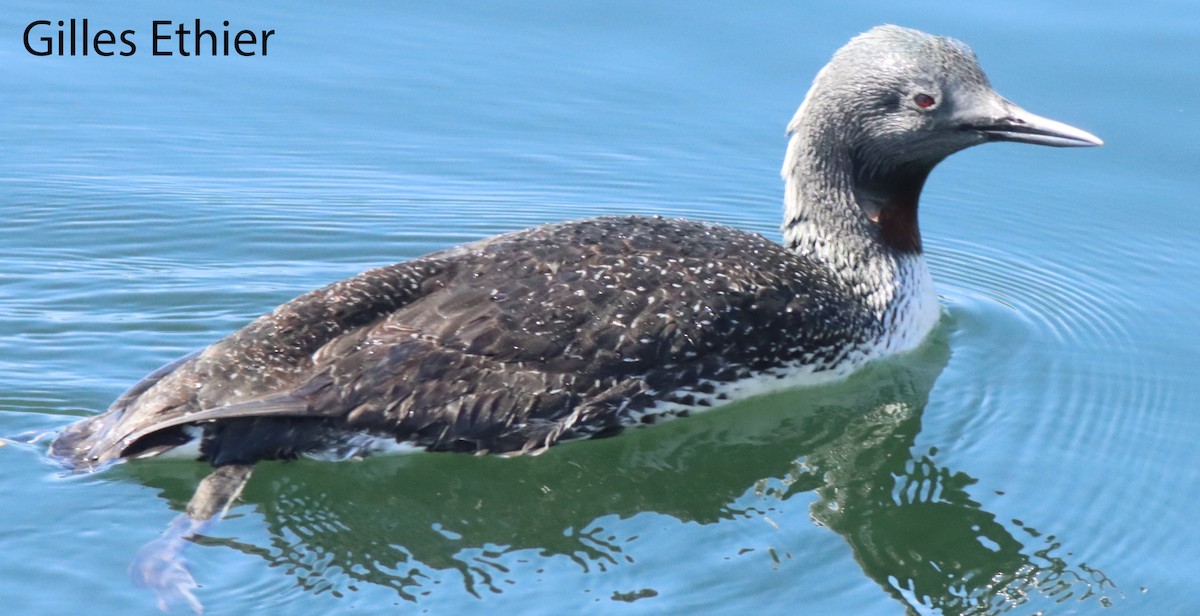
1036	455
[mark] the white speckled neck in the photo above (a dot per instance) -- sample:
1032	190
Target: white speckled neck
894	287
912	310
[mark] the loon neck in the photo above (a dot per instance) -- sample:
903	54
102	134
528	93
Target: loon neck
835	204
860	221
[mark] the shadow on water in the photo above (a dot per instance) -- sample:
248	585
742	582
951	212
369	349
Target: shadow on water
911	524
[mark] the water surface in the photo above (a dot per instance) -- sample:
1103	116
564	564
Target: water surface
1037	454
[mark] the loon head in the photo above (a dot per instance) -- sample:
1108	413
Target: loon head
889	106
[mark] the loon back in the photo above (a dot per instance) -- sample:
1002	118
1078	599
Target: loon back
509	344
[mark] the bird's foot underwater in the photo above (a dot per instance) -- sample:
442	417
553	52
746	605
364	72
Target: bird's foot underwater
161	566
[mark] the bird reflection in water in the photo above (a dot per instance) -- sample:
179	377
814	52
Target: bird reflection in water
409	523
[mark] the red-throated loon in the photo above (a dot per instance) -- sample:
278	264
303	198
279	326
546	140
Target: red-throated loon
579	329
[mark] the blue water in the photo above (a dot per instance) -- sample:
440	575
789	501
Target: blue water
1038	454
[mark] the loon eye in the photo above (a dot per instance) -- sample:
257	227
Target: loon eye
924	101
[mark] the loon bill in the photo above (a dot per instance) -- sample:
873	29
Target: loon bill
579	329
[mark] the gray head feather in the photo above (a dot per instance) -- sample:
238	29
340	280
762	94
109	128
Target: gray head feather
889	106
866	100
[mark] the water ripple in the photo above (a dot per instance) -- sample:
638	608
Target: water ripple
1066	302
1055	366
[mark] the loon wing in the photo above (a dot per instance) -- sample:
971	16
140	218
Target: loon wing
276	405
150	380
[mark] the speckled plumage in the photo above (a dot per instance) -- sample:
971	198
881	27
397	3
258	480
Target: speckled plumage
505	345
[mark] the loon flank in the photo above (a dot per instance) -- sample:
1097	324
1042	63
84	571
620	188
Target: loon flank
579	329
